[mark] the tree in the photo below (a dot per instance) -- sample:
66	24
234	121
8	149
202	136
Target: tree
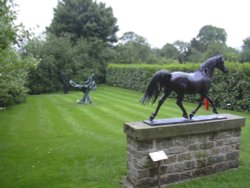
7	30
245	54
210	41
169	51
77	43
184	50
231	54
196	45
13	69
84	18
133	48
210	34
54	54
57	54
133	37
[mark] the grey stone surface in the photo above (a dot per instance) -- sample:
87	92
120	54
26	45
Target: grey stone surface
172	121
143	131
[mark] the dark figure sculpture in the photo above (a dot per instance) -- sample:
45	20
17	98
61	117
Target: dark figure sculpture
85	88
183	83
65	82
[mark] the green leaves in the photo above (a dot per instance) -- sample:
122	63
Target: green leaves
84	19
13	69
209	33
77	60
245	54
7	30
13	77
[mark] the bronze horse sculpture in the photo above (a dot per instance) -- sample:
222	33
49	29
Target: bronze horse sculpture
181	83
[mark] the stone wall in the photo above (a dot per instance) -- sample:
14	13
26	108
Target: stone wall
193	150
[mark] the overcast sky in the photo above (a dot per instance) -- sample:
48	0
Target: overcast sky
159	21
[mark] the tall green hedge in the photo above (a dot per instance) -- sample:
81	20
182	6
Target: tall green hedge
229	91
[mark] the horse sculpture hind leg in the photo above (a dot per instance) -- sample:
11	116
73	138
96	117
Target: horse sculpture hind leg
179	100
213	106
161	101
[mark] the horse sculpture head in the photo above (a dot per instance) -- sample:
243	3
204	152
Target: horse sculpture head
208	66
220	64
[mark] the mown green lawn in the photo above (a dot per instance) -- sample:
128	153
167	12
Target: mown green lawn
51	141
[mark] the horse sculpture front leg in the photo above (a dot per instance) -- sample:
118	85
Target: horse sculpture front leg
197	108
200	104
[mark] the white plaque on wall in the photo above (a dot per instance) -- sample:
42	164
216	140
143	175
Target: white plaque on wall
158	156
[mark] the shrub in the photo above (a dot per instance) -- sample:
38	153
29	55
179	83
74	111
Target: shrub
13	77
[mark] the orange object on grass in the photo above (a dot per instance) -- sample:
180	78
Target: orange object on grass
206	104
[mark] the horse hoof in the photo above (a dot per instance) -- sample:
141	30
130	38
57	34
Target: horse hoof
151	118
185	116
191	116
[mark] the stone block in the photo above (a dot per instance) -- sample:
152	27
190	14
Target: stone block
194	150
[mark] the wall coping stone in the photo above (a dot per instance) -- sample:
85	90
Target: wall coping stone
142	131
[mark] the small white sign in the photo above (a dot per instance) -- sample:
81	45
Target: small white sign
158	156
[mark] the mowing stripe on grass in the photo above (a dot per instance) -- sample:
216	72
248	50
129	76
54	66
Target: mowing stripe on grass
87	120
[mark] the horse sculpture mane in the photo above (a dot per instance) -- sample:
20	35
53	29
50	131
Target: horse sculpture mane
182	83
208	66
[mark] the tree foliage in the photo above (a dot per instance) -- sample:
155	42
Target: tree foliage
211	41
211	34
245	55
13	69
84	19
183	49
133	48
78	42
13	77
57	54
169	51
7	30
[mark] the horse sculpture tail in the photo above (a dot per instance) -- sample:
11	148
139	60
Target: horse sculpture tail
160	79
